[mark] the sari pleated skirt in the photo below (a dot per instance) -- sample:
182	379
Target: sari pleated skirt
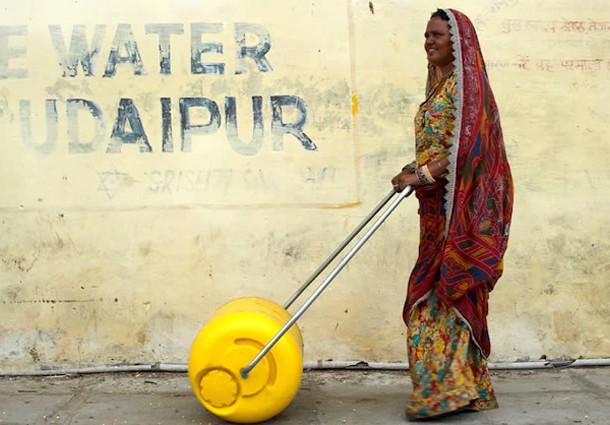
448	372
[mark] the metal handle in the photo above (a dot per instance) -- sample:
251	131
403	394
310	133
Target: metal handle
340	248
406	192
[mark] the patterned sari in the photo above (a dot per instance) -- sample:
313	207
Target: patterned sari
464	223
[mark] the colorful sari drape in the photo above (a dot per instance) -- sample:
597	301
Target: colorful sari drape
472	204
464	224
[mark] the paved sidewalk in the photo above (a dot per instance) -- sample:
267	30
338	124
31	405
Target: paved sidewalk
538	397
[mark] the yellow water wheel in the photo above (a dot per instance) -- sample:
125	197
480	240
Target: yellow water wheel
245	364
234	335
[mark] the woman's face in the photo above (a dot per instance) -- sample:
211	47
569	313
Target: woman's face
438	45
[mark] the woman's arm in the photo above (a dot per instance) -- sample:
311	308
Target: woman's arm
411	176
438	168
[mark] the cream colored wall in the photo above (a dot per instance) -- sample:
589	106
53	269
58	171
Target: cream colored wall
114	252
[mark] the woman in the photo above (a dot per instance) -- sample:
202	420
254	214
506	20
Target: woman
464	186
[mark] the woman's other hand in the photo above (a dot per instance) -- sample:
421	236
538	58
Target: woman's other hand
403	179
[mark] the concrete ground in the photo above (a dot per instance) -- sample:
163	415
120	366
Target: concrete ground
334	397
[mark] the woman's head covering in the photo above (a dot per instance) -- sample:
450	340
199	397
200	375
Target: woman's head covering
479	189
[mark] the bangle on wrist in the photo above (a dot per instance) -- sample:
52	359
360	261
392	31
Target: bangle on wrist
424	176
428	174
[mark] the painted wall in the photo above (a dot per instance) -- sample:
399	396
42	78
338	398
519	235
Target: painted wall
159	160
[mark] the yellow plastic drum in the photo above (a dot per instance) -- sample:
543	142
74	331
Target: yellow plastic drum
233	336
